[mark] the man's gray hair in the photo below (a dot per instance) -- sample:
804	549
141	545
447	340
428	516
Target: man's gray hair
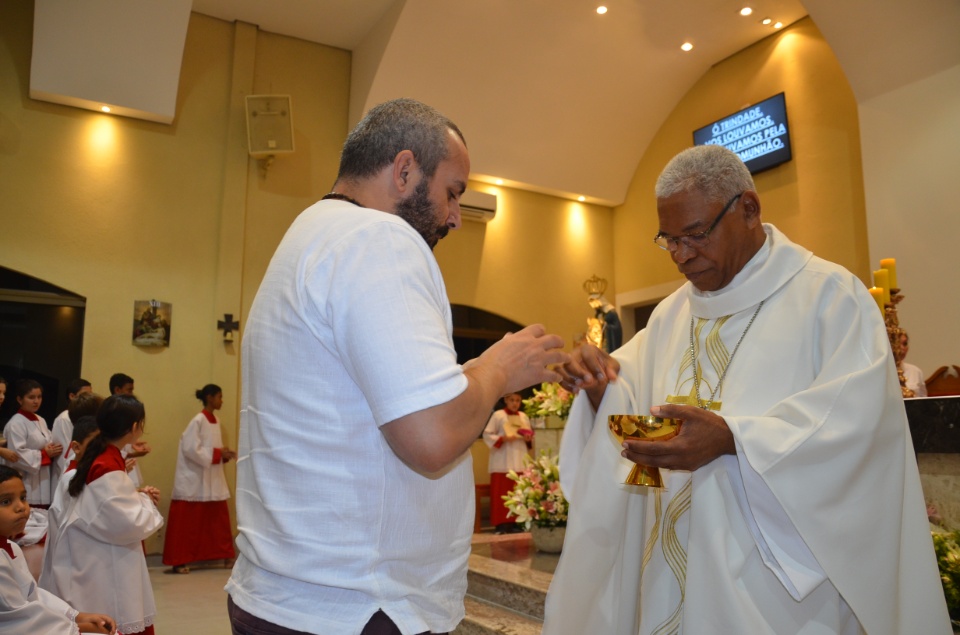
712	170
390	128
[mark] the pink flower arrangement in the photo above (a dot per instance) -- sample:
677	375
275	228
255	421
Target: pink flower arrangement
549	399
536	498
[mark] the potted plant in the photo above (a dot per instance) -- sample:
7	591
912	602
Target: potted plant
538	503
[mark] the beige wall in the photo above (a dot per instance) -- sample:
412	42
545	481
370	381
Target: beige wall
911	160
529	263
816	199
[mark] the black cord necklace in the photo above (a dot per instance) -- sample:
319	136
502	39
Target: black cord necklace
342	197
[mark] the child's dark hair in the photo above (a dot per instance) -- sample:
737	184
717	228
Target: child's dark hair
3	381
83	427
115	419
119	380
208	391
24	386
7	473
74	386
85	404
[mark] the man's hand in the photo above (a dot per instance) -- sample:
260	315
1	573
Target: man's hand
703	437
9	455
431	439
226	454
53	450
589	369
522	359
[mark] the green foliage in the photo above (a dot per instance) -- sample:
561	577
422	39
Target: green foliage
947	547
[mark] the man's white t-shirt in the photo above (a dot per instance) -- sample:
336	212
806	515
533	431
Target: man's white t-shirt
351	329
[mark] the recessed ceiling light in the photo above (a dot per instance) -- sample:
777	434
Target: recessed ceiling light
581	198
766	21
746	11
601	9
686	46
105	108
499	181
778	25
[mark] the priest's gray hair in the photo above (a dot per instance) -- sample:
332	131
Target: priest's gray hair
712	170
390	128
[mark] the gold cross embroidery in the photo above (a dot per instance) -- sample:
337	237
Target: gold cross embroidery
690	400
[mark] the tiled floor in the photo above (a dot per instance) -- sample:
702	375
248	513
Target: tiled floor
197	603
191	604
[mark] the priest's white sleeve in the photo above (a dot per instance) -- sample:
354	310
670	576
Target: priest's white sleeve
781	546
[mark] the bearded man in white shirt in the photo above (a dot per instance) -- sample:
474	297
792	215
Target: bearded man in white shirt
354	479
792	502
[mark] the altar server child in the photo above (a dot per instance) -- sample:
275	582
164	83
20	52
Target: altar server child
84	431
7	456
24	607
85	404
27	435
508	435
100	537
63	428
198	526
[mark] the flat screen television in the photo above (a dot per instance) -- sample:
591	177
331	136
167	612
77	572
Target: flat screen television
759	134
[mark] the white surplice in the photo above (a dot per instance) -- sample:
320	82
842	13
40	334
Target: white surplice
62	432
816	525
26	609
97	561
511	452
198	477
28	438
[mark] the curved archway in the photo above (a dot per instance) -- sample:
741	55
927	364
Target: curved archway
41	338
476	330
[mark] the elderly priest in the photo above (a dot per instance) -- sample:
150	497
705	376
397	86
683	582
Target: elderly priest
792	502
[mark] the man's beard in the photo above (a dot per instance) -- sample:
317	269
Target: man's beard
421	213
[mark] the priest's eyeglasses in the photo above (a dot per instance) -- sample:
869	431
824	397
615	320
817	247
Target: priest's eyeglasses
694	241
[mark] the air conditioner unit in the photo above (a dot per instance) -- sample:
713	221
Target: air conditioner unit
478	207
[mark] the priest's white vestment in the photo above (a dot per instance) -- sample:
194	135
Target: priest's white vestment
816	525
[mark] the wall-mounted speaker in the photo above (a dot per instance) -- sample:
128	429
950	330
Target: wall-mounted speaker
269	125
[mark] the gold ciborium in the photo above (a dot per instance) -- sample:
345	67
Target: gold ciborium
649	428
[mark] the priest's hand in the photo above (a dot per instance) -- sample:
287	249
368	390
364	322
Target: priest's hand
703	437
589	369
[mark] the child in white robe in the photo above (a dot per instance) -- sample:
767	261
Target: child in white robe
82	433
509	436
62	429
25	608
27	435
198	526
7	456
101	534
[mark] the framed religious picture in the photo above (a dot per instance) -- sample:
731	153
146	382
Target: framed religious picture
151	323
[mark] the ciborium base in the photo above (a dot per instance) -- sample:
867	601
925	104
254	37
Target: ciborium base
644	476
